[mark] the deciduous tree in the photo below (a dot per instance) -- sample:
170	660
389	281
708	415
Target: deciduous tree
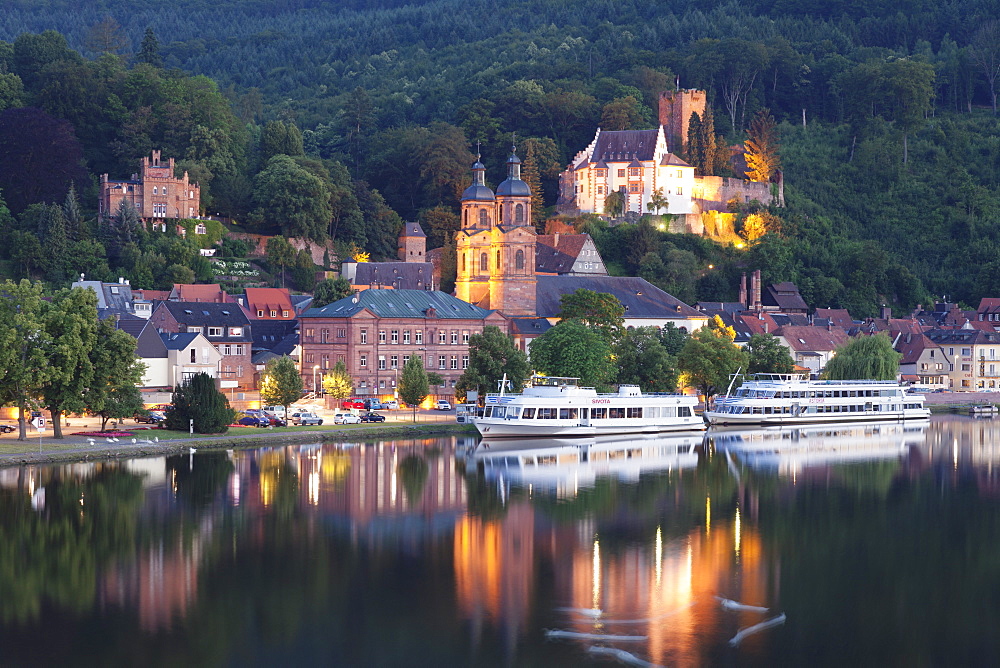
572	349
864	358
768	355
337	382
600	311
330	290
413	385
492	354
70	322
113	392
24	345
761	147
708	359
280	383
643	360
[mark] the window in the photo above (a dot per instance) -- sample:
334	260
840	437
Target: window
519	259
465	361
194	355
406	337
484	218
364	336
394	336
309	358
238	349
680	174
394	362
465	337
155	190
680	191
324	335
274	314
235	331
193	330
621	173
381	336
406	358
418	337
215	331
381	362
284	314
326	361
260	314
484	262
454	336
363	362
600	190
381	384
634	171
442	361
602	172
633	187
497	265
199	228
519	214
453	362
442	337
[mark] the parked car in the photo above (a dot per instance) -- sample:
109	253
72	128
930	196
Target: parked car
274	420
390	405
277	411
442	405
7	428
346	418
372	417
301	419
374	404
352	403
254	421
150	417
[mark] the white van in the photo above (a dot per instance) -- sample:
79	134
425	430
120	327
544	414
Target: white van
276	411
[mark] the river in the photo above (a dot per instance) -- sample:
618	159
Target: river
875	544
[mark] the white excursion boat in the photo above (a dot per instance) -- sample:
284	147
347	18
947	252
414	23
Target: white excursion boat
790	399
552	406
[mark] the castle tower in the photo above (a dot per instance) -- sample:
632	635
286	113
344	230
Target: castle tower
512	280
472	242
676	107
412	243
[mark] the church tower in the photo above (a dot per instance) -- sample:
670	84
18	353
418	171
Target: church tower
512	279
412	243
472	242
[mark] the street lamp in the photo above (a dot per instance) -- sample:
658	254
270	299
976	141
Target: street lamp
315	384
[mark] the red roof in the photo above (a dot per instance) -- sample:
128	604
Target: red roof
270	299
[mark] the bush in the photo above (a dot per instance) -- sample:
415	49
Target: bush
199	400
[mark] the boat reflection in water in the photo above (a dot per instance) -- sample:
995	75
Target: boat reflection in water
793	449
564	465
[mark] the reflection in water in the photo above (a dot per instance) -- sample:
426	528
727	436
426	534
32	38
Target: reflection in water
875	540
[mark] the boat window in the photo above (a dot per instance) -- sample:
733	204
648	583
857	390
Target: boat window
652	411
599	413
616	412
529	414
635	411
567	413
683	411
668	411
488	412
547	413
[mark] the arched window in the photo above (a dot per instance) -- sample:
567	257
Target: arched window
484	262
519	259
498	261
484	218
463	261
465	217
519	214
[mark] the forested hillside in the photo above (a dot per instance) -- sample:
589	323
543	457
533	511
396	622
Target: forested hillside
889	138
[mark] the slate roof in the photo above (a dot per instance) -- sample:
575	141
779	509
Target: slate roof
400	304
838	316
625	145
728	307
178	341
269	333
912	346
640	298
963	336
557	253
530	327
671	159
133	325
209	292
785	296
412	230
399	275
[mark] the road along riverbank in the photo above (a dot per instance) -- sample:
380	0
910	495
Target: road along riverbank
75	448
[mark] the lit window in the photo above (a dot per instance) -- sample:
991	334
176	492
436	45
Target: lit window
363	363
418	337
364	336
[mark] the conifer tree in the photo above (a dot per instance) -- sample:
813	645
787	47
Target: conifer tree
149	50
761	147
73	215
199	400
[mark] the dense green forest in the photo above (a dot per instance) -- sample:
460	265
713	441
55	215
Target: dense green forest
317	118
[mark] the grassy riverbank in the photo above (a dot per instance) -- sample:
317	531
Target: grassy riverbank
77	448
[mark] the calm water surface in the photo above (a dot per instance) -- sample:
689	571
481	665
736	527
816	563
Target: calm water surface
880	545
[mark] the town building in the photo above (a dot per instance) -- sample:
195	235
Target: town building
226	326
154	192
973	357
413	270
375	332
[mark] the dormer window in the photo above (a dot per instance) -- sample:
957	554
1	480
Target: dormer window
215	331
260	313
274	314
235	331
284	314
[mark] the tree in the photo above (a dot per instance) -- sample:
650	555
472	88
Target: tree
41	158
492	354
658	201
113	392
71	325
571	349
624	113
281	253
338	383
149	50
330	290
864	358
985	52
768	355
600	311
280	383
673	337
541	159
199	400
614	203
761	147
24	344
304	271
413	385
708	359
291	198
106	37
643	360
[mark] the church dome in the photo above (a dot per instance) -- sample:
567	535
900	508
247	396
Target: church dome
478	191
513	186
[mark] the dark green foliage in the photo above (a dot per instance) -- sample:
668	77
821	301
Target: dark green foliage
492	355
198	399
572	349
413	383
864	358
330	290
768	355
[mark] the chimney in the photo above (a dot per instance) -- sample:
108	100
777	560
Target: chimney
886	312
829	325
756	287
743	290
557	239
765	326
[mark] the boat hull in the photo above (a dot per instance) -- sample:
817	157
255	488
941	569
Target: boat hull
524	429
713	418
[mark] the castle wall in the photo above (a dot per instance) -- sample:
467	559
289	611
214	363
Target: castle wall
715	192
676	107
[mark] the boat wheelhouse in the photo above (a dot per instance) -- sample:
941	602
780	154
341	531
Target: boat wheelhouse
553	406
779	399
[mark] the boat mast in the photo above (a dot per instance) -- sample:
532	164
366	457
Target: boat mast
733	380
